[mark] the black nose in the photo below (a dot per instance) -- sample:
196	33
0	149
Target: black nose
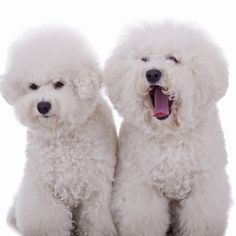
44	107
153	75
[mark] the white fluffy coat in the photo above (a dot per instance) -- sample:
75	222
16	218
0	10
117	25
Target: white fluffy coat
70	153
170	173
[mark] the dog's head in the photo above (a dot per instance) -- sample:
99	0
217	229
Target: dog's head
165	74
52	78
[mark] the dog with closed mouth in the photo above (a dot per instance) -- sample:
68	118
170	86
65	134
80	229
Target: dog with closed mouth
165	79
53	82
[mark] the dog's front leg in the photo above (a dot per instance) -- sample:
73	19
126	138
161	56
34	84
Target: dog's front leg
94	216
38	213
204	213
138	210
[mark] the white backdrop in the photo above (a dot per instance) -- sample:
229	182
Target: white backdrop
102	21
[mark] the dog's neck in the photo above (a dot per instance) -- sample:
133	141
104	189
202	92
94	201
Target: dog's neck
48	134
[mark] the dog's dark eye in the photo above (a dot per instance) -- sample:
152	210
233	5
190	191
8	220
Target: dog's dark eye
171	58
58	84
145	59
34	86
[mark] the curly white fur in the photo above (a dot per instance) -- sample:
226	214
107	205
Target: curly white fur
70	152
170	173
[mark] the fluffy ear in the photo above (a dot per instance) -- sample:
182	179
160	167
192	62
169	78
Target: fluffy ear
8	89
211	77
87	83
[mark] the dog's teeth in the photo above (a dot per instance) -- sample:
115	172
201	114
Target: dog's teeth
165	89
151	87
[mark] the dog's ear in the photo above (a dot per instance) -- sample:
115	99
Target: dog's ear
211	77
218	74
8	89
87	83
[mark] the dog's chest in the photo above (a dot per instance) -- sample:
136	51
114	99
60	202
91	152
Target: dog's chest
174	165
62	167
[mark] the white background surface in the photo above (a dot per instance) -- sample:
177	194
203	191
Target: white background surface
102	21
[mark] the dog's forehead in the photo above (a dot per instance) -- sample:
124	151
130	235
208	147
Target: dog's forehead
41	56
160	46
166	38
44	75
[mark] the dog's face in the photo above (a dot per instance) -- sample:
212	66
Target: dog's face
47	92
54	99
166	75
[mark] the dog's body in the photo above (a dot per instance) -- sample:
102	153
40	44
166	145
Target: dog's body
53	83
165	81
156	171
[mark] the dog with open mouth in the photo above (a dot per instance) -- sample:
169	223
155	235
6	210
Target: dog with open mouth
53	82
165	80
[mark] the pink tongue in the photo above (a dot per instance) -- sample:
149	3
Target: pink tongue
161	103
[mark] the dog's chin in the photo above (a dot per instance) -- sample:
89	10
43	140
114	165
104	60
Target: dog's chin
48	121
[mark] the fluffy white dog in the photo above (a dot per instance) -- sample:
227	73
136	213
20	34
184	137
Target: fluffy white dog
53	82
165	80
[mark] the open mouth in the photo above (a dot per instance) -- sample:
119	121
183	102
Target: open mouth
45	116
161	102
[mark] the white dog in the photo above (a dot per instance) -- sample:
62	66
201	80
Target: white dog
165	80
53	81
